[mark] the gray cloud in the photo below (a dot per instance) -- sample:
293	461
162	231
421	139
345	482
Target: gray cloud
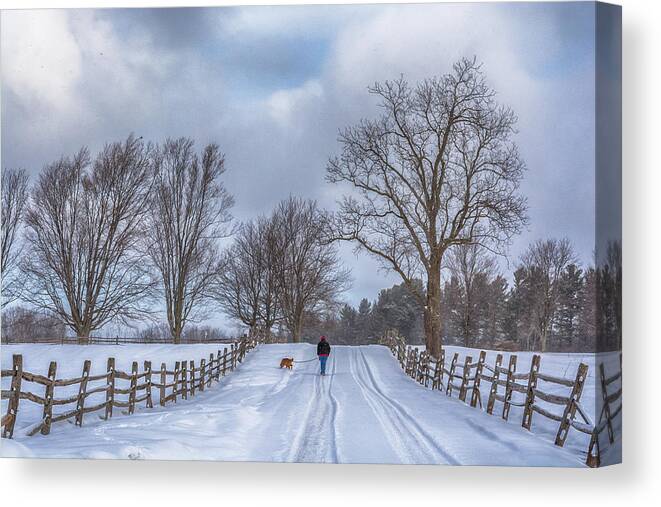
272	85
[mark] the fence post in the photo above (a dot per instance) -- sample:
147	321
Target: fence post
224	360
192	377
164	380
511	370
407	359
594	453
218	356
441	370
570	409
148	402
175	381
12	406
494	384
80	403
48	397
210	367
408	355
232	357
530	395
453	367
203	364
464	378
134	385
607	408
110	388
184	380
437	370
417	356
476	396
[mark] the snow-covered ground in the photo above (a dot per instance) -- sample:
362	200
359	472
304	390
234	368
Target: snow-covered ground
70	359
558	364
364	411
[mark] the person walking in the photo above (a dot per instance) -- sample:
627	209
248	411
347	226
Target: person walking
323	351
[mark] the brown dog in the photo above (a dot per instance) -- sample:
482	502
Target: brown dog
287	362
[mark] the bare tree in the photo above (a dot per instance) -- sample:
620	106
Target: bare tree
83	226
190	212
14	199
20	324
309	273
544	263
473	268
247	287
438	168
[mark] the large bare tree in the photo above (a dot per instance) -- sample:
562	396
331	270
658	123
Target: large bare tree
438	168
84	222
310	276
473	268
190	212
247	288
14	199
544	262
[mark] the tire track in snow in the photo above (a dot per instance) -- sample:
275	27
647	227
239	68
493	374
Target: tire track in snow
410	441
316	437
403	443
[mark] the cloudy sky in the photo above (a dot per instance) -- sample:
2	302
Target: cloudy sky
272	86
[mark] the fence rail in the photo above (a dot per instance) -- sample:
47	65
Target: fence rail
123	389
503	382
113	340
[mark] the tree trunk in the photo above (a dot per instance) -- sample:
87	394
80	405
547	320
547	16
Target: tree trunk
83	334
296	334
298	328
176	334
542	338
466	331
432	316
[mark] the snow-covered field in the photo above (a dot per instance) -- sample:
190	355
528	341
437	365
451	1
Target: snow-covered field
70	358
364	411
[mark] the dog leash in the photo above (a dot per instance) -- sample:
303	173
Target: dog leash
306	361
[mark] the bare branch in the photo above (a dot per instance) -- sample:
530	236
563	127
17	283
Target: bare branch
189	212
14	199
438	168
83	227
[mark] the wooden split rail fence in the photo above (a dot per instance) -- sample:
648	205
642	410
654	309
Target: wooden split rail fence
611	407
470	377
122	389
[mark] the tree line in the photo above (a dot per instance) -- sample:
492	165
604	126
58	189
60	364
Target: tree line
551	304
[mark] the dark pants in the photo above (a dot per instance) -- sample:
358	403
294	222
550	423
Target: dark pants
322	362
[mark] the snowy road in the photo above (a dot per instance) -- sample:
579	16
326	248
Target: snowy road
364	411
